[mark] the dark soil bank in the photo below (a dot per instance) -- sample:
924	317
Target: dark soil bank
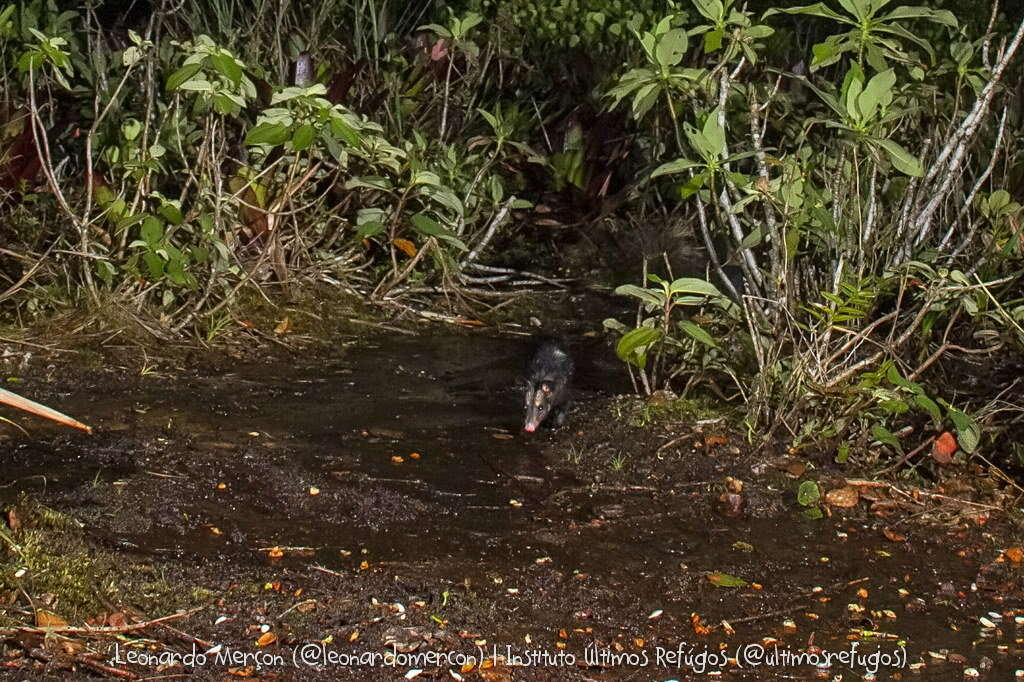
328	513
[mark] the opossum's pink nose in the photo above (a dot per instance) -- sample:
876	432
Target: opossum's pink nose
529	428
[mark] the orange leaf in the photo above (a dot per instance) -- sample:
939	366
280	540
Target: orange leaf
1015	554
283	326
266	639
405	246
893	536
48	619
944	447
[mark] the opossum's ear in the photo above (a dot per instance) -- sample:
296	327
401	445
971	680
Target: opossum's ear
546	387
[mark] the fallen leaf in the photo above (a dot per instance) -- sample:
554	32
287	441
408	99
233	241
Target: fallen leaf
283	327
1015	554
725	580
13	522
893	536
502	436
796	467
405	246
845	497
397	459
943	448
699	627
715	441
266	639
49	619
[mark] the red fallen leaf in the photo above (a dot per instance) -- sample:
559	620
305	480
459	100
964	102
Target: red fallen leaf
1015	554
699	627
715	441
117	619
845	497
943	448
893	536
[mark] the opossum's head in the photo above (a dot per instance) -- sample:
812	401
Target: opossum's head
538	404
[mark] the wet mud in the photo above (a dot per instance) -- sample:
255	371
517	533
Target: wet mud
380	498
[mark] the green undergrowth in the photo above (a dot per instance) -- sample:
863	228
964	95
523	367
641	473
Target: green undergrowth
49	562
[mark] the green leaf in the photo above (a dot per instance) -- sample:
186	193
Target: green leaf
877	92
152	231
370	228
227	66
175	80
818	9
632	347
903	160
671	48
652	299
693	285
303	137
272	134
808	493
714	134
944	17
154	264
967	430
171	212
344	131
929	406
885	436
672	167
720	579
697	333
713	40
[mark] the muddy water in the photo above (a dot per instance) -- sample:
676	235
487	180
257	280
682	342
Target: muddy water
406	453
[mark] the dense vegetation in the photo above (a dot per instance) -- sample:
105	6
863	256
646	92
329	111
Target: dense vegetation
814	206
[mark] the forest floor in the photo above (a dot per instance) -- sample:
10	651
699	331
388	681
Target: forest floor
371	509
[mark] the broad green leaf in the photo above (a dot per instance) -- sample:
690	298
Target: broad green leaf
877	92
672	167
227	66
903	160
272	134
967	430
303	137
884	436
154	264
632	347
652	299
808	493
714	134
152	231
696	332
693	285
944	17
344	131
929	406
671	48
818	9
175	80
